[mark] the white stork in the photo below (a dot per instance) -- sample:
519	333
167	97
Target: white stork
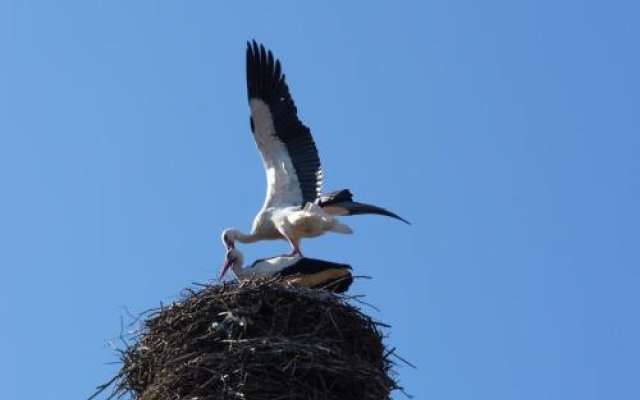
294	207
299	271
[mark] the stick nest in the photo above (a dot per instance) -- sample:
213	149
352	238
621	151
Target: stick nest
257	341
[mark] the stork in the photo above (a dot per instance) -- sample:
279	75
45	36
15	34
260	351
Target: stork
294	207
297	270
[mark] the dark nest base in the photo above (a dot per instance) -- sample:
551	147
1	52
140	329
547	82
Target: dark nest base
255	341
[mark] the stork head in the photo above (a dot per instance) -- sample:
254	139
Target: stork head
233	258
229	237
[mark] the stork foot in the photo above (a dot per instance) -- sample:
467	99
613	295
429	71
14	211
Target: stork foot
295	252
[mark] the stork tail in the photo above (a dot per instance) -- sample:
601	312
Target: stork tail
341	203
341	228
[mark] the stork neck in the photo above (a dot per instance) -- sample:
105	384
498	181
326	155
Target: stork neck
246	238
236	268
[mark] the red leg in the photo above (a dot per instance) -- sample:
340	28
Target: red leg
296	248
295	252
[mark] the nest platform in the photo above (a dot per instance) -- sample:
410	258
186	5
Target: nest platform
259	340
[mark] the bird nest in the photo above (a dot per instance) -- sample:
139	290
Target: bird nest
254	341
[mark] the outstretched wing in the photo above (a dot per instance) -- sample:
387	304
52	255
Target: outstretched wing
289	154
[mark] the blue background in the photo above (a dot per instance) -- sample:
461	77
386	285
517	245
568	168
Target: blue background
507	132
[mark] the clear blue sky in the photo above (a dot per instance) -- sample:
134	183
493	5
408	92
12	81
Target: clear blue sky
508	132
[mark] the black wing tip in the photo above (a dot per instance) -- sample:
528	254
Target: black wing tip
394	216
264	72
357	208
328	264
252	45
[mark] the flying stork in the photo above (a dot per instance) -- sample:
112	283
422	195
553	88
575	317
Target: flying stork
299	271
294	207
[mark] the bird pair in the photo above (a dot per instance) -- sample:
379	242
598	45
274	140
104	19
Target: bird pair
294	207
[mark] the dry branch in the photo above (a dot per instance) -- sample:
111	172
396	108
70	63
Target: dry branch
257	341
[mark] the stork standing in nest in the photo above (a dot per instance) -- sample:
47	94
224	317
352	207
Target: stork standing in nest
294	207
299	271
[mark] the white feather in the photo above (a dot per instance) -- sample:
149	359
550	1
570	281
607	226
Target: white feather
283	187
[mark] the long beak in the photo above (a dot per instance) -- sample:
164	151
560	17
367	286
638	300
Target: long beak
225	267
